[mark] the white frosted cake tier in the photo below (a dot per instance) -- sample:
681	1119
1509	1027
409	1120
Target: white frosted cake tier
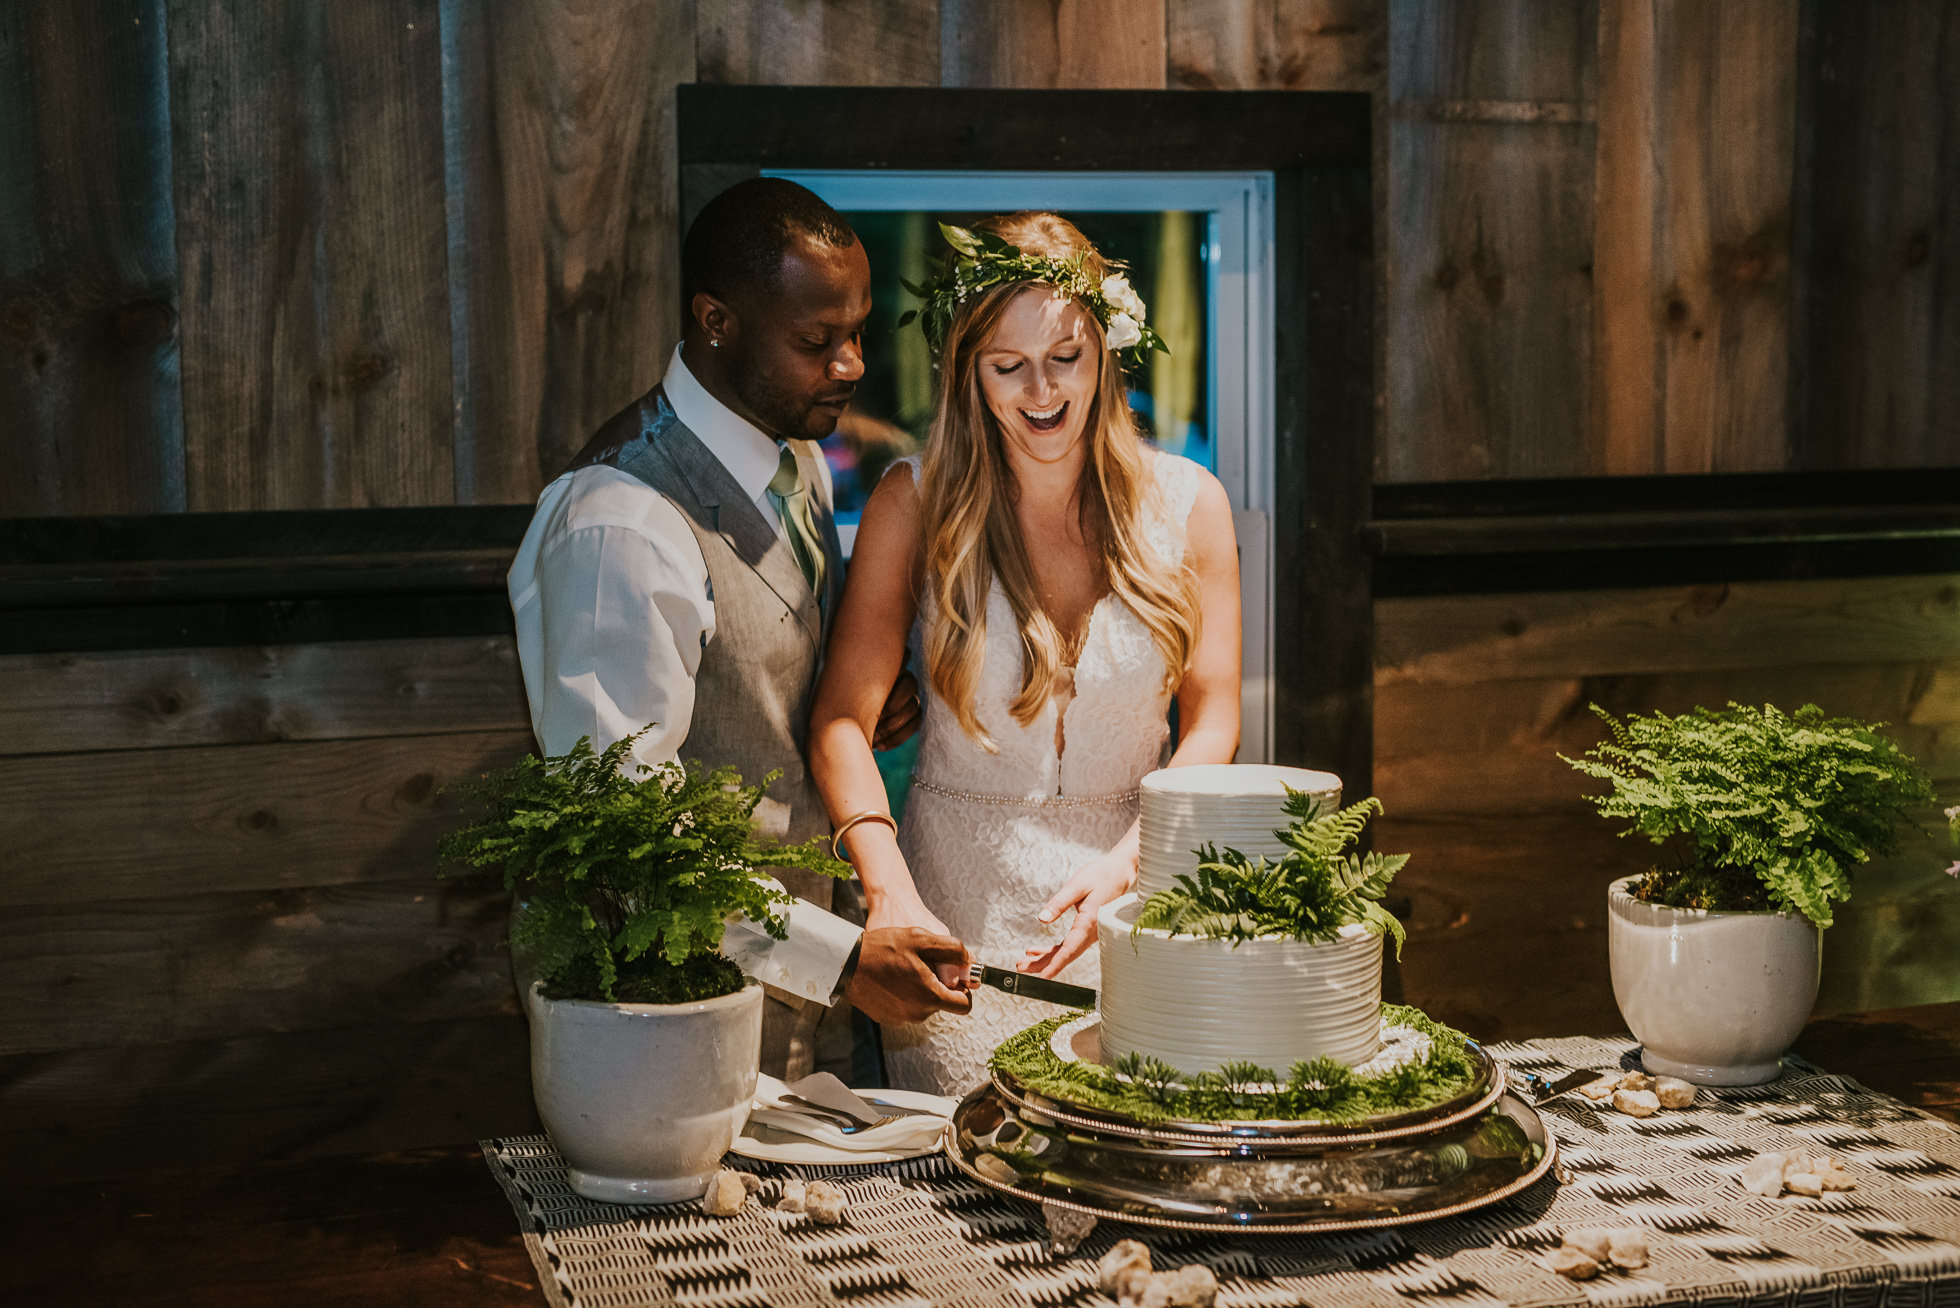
1231	805
1198	1004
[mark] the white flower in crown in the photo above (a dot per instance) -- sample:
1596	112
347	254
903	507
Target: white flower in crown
1116	289
1123	332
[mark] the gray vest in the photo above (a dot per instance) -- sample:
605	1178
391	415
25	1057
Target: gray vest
752	692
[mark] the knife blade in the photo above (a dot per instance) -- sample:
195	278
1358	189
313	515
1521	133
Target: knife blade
1031	987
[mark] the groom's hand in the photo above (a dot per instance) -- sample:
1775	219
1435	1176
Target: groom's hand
905	974
900	716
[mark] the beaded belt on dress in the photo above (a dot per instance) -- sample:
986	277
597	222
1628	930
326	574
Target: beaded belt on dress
1029	801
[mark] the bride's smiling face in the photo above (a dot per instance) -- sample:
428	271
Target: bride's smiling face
1039	371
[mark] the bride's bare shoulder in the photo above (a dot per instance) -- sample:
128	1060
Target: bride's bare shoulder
891	515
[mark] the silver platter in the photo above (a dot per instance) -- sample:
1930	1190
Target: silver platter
1275	1184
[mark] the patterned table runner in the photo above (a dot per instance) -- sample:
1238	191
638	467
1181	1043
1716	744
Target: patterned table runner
921	1235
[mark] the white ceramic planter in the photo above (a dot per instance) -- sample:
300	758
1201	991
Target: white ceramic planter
1713	998
644	1099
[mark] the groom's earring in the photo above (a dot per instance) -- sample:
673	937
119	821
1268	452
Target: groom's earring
715	344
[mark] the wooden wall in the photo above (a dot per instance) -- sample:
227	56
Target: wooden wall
1623	236
409	252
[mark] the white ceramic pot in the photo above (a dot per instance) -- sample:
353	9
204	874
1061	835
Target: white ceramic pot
644	1099
1713	998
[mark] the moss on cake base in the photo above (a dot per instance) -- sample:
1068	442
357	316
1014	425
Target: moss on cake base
1319	1091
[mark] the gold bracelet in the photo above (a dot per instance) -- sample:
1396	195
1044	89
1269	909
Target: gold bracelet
869	815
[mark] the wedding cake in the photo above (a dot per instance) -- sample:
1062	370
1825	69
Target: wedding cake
1198	1004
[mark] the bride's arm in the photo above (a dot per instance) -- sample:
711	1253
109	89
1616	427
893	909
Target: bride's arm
1207	717
865	656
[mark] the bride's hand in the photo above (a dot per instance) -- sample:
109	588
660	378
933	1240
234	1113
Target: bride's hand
1099	881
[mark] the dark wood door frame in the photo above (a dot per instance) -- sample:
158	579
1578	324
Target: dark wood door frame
1316	146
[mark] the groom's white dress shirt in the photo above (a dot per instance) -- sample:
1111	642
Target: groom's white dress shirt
613	611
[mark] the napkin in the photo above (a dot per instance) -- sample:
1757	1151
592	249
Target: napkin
920	1130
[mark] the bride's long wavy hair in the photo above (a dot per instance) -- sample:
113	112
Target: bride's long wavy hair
967	495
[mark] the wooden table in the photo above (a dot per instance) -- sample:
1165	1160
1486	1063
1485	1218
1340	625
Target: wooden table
430	1226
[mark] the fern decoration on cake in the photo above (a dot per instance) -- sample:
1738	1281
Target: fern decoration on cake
1316	889
1758	809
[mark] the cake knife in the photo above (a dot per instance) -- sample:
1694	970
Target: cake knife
1030	987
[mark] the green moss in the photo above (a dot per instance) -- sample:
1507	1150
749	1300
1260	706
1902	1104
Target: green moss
648	979
1323	1090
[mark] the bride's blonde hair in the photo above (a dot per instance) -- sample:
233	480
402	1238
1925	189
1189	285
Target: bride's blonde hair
967	494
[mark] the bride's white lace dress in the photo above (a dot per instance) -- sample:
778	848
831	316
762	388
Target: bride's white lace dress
990	836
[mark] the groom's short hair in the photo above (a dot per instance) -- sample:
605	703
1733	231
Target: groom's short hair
738	240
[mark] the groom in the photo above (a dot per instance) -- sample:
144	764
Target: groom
683	572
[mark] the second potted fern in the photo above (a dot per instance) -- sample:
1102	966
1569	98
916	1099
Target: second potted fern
1761	817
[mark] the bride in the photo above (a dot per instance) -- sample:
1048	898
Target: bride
1064	583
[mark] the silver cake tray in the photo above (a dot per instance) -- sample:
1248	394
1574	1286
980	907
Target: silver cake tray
1078	1041
1271	1183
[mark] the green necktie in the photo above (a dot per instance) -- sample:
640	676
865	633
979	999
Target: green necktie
792	500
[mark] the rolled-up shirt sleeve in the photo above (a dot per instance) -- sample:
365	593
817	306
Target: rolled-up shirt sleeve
809	963
613	612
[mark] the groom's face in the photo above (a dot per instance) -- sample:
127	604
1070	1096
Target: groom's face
797	357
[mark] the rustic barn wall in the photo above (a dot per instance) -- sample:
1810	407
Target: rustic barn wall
374	253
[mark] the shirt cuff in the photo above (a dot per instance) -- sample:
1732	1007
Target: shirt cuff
809	963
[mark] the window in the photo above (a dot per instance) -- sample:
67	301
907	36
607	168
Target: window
1200	245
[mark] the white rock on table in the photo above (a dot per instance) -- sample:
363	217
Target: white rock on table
1637	1103
1674	1092
1808	1184
726	1194
1120	1273
1152	1291
1192	1286
1763	1174
1601	1090
793	1197
1592	1241
1627	1248
1636	1081
1570	1263
824	1202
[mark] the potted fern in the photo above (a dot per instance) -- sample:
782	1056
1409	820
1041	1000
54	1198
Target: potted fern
1761	818
1296	942
645	1040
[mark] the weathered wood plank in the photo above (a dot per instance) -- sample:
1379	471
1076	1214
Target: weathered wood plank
818	42
91	417
112	1111
309	184
1692	291
1053	43
1495	745
1489	240
1489	891
138	824
1276	45
565	256
1881	384
1465	639
203	967
147	699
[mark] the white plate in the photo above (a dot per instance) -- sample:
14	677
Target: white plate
773	1146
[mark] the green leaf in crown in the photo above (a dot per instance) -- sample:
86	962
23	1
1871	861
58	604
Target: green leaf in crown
982	261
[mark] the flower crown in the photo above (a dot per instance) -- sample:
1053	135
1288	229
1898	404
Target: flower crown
982	261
